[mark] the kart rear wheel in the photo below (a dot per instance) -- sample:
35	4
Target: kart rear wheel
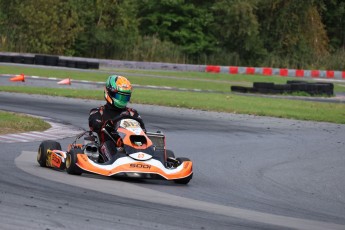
186	179
42	151
71	161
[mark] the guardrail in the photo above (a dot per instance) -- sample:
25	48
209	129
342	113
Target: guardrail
95	63
49	60
67	61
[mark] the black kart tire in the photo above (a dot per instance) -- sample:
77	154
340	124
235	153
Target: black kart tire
62	63
299	87
7	58
93	65
42	151
40	59
170	153
284	87
263	85
17	59
28	60
81	64
71	161
186	179
70	64
51	60
296	82
239	89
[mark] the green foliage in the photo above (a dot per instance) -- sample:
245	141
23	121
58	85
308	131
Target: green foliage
237	26
151	48
180	22
277	33
109	28
334	20
293	32
40	26
334	61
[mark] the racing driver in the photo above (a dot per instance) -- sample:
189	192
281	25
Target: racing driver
117	93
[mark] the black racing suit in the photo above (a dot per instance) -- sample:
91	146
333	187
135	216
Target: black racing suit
98	119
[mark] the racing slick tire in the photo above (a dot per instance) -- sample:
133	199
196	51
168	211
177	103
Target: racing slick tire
170	153
42	151
186	179
71	161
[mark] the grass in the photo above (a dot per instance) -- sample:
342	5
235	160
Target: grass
190	80
284	108
17	123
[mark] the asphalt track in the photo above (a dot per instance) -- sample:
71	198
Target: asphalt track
249	173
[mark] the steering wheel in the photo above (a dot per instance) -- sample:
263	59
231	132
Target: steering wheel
126	116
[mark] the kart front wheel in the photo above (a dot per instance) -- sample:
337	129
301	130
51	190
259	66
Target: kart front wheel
170	153
71	161
42	153
186	179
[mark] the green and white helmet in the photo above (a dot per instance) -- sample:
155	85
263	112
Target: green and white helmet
117	91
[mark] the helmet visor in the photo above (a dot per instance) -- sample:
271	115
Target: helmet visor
123	97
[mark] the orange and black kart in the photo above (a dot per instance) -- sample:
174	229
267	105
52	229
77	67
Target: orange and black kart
137	154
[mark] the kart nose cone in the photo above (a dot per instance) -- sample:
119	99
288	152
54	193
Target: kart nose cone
140	156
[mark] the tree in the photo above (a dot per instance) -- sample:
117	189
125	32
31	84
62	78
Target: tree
292	31
180	22
110	28
8	29
42	26
282	33
334	19
237	29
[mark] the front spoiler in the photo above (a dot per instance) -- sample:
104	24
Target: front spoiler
128	167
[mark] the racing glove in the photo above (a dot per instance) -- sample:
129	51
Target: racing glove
109	125
131	112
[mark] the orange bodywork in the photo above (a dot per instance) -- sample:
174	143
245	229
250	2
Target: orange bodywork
136	166
55	159
126	140
137	160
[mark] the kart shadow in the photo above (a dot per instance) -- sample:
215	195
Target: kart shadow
132	180
127	179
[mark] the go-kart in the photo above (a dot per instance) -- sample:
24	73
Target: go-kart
135	154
